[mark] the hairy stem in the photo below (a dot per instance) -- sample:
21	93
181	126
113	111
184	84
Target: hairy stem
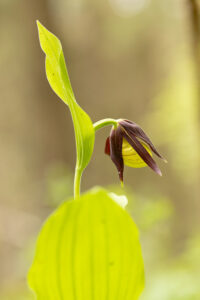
105	122
78	172
77	183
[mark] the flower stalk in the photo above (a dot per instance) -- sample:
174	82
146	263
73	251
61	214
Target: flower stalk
77	183
105	122
78	172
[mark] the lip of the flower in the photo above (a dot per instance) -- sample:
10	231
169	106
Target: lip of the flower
142	152
137	131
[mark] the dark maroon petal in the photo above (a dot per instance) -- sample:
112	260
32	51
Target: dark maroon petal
142	152
137	131
116	139
107	146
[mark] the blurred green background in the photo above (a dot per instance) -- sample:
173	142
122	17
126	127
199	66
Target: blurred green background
134	59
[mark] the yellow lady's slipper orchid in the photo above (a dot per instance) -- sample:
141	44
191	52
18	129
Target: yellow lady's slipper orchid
129	145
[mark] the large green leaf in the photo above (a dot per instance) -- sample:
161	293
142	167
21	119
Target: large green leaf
58	78
88	250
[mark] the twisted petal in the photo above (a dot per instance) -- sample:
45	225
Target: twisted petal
137	131
143	153
107	146
116	139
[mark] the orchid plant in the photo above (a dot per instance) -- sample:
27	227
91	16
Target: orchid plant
89	248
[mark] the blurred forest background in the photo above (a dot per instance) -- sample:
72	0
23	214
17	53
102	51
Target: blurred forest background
134	59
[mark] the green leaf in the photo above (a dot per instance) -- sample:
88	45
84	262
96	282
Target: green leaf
58	78
88	249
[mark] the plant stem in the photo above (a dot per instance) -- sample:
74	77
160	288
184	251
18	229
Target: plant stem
105	122
77	183
78	172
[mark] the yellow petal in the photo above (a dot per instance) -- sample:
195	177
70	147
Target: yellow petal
130	156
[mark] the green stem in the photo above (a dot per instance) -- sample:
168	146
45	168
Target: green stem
105	122
78	172
77	183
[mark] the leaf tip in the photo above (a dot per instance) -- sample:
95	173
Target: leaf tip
39	25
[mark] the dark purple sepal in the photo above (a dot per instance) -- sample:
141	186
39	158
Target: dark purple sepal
137	131
116	140
142	152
